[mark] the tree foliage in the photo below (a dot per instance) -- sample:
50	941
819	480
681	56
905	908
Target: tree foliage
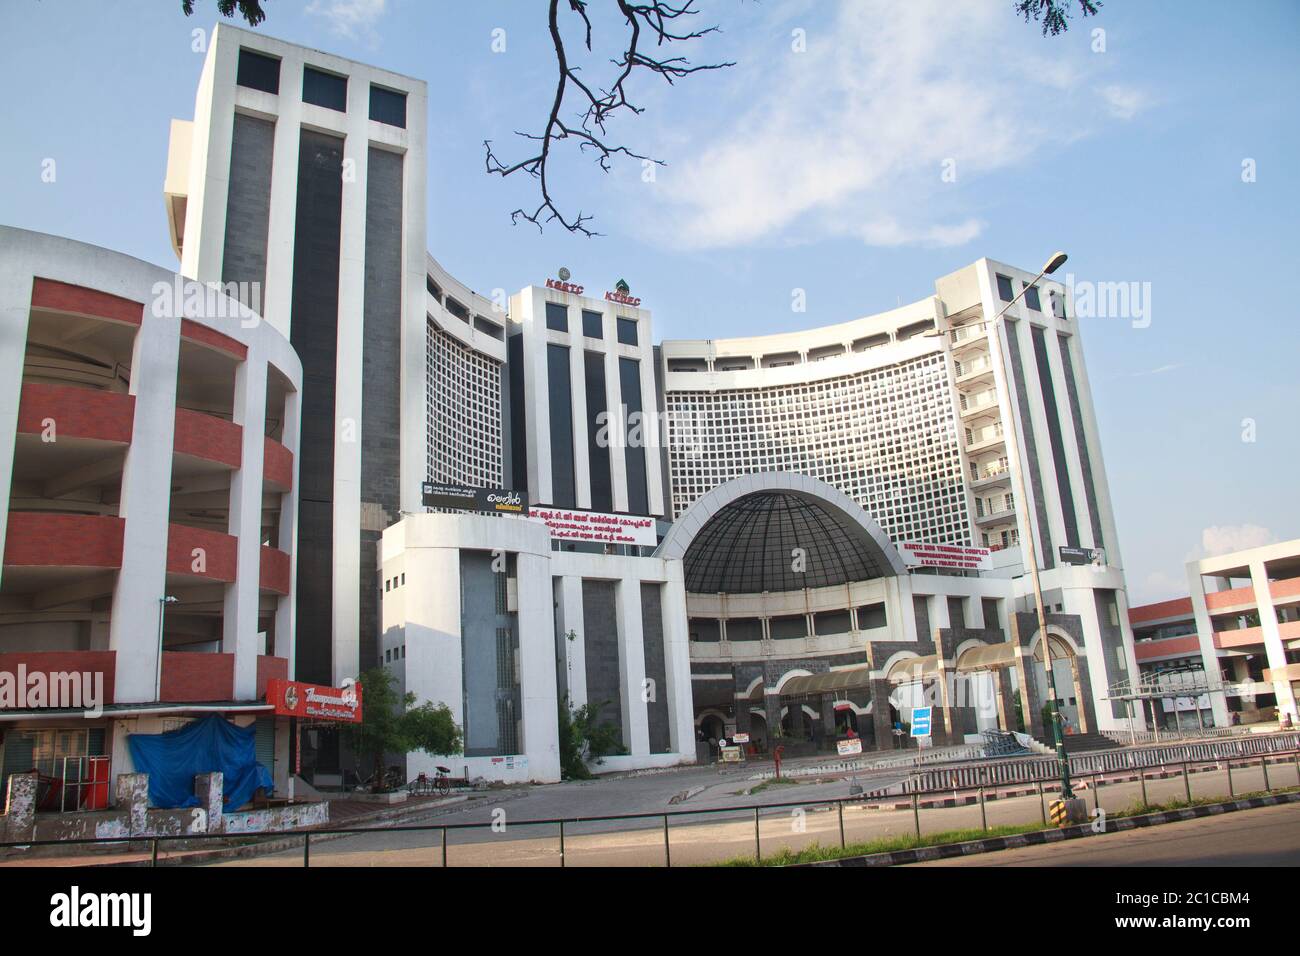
391	723
584	738
1054	15
250	10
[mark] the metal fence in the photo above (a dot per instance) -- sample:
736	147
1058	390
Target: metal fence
1031	769
1263	757
70	784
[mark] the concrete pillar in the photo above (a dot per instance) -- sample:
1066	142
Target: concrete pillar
15	307
1083	705
240	610
146	480
1274	650
20	806
210	789
1028	706
537	692
677	663
288	540
631	666
884	727
944	702
772	709
131	796
1005	690
828	715
1205	641
570	622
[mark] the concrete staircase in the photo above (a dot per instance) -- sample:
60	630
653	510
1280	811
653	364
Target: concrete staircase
1081	743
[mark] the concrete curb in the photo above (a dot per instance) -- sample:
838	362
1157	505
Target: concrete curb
1039	837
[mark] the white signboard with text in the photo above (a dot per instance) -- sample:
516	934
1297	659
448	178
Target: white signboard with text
919	555
566	524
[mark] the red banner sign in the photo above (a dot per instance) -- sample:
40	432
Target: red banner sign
293	698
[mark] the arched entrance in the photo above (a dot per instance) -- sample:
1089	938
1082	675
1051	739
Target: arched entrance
780	567
1071	700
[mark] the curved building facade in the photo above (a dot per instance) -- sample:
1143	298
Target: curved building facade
149	432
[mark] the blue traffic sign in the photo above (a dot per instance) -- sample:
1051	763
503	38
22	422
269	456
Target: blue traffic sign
921	721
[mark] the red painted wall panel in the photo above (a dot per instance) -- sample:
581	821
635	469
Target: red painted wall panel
63	541
269	668
194	677
1178	607
62	297
277	464
104	662
220	558
77	412
275	570
208	437
203	335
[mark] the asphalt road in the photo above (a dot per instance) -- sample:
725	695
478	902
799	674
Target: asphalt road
698	839
1268	836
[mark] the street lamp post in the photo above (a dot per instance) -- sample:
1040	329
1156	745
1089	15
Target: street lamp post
157	677
1031	553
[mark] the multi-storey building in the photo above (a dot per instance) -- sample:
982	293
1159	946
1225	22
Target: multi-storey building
149	456
1237	636
772	535
302	175
906	414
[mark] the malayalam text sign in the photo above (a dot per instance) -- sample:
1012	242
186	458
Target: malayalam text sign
566	524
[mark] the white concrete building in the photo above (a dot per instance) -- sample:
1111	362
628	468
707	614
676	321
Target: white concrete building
302	176
482	614
1239	627
149	460
905	413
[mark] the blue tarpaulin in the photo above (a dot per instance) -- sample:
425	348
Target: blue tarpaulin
206	745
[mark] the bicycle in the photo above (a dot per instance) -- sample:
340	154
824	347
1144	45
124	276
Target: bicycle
439	783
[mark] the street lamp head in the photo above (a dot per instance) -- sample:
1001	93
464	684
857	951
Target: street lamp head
1054	263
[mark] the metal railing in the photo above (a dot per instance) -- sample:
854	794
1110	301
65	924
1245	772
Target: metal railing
1095	780
1101	761
73	783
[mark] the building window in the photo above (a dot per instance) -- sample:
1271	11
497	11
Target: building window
1005	292
627	331
1031	299
258	72
1058	304
557	317
593	324
387	106
456	309
324	89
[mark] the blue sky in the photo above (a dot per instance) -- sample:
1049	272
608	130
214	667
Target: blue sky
818	170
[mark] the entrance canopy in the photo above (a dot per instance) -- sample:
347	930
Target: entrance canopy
777	531
846	678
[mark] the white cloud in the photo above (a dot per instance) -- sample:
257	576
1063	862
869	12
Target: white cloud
1123	102
354	19
852	136
1224	539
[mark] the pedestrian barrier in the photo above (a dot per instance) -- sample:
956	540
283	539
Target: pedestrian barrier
1260	754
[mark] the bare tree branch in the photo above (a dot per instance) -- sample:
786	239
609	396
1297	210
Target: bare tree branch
659	20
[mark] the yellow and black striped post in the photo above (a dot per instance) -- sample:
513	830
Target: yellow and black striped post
1058	813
